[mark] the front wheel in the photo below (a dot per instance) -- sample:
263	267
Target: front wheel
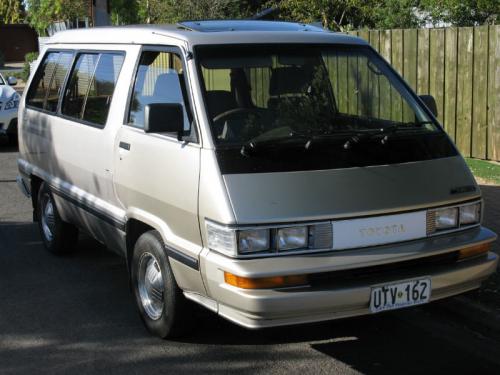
58	236
162	306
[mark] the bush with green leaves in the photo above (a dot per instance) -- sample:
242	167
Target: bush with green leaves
28	59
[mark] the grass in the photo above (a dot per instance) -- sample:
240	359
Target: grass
485	169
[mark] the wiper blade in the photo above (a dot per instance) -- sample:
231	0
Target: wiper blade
253	146
385	133
359	136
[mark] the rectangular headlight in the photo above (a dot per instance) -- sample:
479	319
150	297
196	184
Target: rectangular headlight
221	239
446	218
470	214
254	240
246	241
292	238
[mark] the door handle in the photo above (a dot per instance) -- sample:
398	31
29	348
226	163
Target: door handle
125	146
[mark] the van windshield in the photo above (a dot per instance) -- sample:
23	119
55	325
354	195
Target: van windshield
268	100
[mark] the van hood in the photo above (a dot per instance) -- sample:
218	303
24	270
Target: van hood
328	194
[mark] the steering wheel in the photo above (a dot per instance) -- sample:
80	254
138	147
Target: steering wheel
223	123
233	113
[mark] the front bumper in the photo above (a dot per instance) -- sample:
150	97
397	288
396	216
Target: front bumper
8	122
345	296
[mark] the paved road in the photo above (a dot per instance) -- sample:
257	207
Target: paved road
75	315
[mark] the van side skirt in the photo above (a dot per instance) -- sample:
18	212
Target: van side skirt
117	223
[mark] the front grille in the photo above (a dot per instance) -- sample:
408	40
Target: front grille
321	235
431	222
414	265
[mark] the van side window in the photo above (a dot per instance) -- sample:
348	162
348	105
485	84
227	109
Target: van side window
45	89
91	86
159	80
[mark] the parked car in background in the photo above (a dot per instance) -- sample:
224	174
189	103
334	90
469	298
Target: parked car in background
275	173
9	102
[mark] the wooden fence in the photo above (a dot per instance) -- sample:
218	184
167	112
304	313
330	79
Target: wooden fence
460	67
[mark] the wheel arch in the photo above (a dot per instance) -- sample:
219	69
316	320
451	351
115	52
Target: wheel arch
185	268
134	228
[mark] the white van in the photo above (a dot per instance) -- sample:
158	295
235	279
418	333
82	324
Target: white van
273	172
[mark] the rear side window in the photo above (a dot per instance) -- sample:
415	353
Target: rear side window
47	84
91	86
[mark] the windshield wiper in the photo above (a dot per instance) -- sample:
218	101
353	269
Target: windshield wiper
359	136
306	140
386	132
253	146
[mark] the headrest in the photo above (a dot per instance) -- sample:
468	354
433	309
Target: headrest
168	88
289	80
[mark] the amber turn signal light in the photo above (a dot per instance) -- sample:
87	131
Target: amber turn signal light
264	282
475	250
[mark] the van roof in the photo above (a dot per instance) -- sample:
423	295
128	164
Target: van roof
247	25
206	32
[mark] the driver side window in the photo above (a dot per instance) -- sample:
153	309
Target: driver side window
159	79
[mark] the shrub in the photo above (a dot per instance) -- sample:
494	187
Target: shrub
28	59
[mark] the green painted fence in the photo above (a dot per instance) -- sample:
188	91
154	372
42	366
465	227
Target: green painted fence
460	67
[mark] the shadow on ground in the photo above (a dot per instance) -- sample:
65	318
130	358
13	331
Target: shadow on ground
6	146
75	314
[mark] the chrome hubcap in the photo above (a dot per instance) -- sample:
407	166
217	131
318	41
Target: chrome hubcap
151	288
48	219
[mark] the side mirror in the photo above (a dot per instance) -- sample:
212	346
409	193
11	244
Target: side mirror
12	81
430	103
164	118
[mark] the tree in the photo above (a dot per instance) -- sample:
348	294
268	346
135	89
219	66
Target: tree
124	12
385	14
462	12
172	11
41	13
391	14
345	15
11	11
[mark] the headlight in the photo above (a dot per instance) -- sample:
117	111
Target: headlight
255	240
470	214
12	103
292	238
453	217
269	240
446	218
221	239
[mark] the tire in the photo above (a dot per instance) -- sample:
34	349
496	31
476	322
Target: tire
162	306
58	236
12	139
12	133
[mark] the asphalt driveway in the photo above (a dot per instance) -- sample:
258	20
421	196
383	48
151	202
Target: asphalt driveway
75	315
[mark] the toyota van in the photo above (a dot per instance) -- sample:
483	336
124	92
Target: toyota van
275	173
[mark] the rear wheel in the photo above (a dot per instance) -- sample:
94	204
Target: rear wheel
162	306
58	236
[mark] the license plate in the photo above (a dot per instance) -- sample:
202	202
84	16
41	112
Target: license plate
396	296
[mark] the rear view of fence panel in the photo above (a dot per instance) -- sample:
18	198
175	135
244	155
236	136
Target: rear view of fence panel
460	67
